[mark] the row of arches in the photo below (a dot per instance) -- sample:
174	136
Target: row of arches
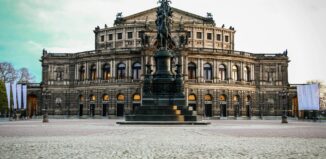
106	72
106	97
222	103
208	69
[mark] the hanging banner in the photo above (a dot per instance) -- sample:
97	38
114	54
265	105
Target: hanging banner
8	93
19	96
308	97
25	96
14	95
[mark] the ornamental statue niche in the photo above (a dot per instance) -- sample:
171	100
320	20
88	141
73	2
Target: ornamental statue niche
163	25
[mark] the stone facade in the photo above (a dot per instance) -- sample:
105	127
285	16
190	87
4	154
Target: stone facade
219	81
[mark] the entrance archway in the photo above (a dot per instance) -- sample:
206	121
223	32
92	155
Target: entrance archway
136	102
236	102
192	101
208	105
92	105
105	100
120	104
223	102
32	105
248	106
81	105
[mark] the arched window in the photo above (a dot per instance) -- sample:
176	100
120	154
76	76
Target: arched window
136	71
235	98
136	97
208	97
246	73
191	97
106	72
222	70
81	98
92	98
106	97
93	72
82	74
191	71
248	99
222	97
207	72
120	97
121	71
235	73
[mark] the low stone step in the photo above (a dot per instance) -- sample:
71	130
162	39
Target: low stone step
155	118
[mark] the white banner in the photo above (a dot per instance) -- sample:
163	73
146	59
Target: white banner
14	95
19	96
8	93
308	97
25	96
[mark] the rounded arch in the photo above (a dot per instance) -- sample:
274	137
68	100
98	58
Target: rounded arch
136	67
136	97
246	73
192	70
120	97
106	71
235	72
248	98
192	97
92	98
222	97
222	72
121	70
81	98
208	97
236	98
93	72
208	71
105	97
82	72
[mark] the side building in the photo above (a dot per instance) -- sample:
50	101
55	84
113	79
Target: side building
219	81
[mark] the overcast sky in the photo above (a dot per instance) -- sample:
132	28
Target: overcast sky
263	26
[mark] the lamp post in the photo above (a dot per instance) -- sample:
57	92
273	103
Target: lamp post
46	93
283	94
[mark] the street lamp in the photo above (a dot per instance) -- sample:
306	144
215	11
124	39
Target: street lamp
283	94
46	93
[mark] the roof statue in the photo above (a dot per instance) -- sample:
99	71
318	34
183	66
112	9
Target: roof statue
163	24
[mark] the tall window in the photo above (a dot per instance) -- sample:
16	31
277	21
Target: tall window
102	38
218	37
199	35
106	72
207	72
209	36
222	71
93	72
136	71
110	37
119	36
121	71
191	71
82	74
246	73
130	35
226	38
235	73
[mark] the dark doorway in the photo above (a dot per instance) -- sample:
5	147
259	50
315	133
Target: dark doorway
105	108
135	106
208	110
80	109
120	109
223	109
248	111
92	109
193	106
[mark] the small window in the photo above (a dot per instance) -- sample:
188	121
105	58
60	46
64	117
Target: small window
218	37
110	37
102	38
119	36
199	35
130	35
209	36
227	38
189	34
140	34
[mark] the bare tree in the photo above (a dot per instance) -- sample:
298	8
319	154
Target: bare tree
7	72
24	76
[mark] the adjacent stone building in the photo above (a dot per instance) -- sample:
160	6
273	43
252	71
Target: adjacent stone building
219	81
